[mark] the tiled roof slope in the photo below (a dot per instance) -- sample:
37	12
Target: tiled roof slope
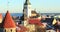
8	21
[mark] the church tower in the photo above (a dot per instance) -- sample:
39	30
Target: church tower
26	12
27	9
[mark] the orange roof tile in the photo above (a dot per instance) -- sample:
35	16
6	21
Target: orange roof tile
21	28
35	21
0	16
8	21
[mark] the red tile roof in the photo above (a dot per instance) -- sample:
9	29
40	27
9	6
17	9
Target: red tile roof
0	16
35	21
21	28
8	21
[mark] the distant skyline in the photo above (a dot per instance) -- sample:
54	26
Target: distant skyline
42	6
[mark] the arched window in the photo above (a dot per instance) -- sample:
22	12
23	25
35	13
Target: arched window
11	30
5	30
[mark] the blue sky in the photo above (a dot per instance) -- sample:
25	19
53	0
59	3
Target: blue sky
42	6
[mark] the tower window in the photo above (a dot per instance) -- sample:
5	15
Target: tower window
11	30
5	30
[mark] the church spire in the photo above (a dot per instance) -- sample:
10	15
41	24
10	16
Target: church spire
27	2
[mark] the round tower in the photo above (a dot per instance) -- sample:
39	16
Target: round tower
8	23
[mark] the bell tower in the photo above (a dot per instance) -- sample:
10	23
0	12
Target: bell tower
27	9
26	12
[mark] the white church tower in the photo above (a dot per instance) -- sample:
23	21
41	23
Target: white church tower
27	9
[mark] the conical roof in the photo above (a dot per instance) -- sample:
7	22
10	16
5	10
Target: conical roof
8	21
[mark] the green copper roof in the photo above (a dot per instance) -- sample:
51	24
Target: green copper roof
27	2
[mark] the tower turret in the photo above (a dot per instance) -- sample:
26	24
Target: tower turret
8	23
